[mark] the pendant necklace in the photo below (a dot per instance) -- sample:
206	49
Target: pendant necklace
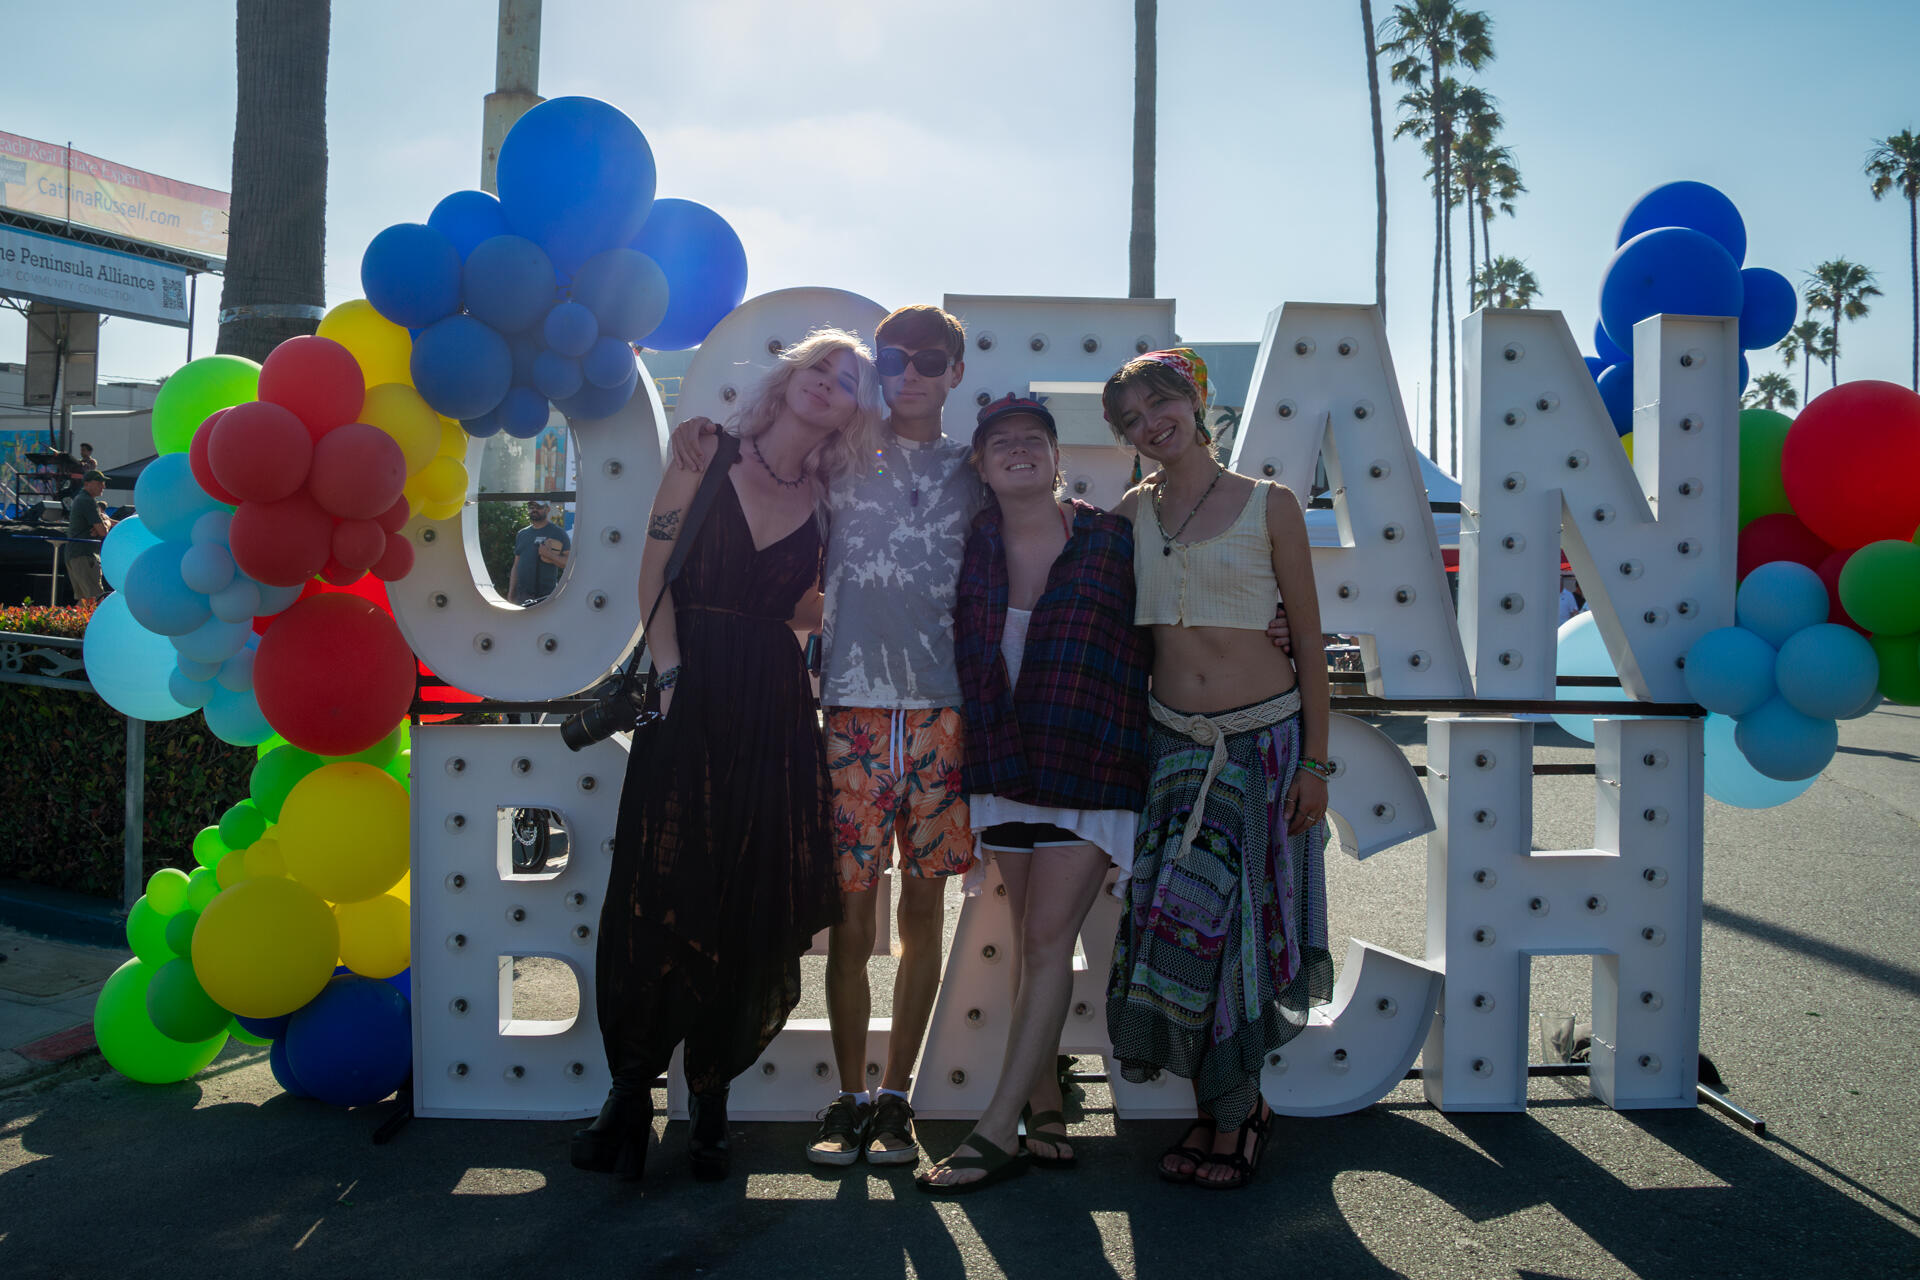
778	479
906	458
1167	540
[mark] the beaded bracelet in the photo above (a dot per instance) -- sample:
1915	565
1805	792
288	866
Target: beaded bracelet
1318	768
668	678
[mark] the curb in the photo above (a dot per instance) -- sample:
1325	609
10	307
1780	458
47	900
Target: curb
61	914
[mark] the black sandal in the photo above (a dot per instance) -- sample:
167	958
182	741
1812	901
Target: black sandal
1035	1123
1244	1160
999	1165
1185	1150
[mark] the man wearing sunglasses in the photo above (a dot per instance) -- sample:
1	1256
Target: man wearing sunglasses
892	698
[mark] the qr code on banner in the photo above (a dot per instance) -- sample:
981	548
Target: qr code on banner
173	295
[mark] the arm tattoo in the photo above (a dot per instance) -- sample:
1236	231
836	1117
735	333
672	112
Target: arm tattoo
664	527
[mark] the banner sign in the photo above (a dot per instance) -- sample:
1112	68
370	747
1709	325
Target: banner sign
59	183
87	278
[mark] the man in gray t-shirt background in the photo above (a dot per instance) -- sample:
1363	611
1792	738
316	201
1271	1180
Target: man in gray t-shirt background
540	551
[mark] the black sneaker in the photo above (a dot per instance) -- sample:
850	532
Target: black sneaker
890	1137
843	1131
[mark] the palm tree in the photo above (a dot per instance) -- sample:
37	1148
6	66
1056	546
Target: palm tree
1894	165
1769	389
1425	37
1140	245
1379	164
1499	186
277	228
1812	340
1505	282
1843	288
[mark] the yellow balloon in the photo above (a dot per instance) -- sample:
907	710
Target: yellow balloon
442	481
1626	442
453	440
265	947
231	870
400	412
382	348
264	858
446	512
343	831
373	936
403	890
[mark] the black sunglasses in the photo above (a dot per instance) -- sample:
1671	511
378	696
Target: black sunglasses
892	362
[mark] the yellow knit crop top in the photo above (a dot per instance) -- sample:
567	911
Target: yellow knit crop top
1223	581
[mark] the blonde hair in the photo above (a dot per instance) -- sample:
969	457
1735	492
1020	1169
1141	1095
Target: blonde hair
845	449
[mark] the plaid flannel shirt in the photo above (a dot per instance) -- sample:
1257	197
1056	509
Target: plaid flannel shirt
1073	734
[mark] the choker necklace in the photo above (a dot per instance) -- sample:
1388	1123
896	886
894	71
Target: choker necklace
1167	540
781	480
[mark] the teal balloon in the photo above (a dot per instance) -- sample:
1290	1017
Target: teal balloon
125	541
130	1042
1730	671
1827	671
1778	599
158	594
1582	652
1784	744
180	1007
128	665
1731	780
169	499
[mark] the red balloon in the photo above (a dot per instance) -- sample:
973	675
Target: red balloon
202	469
334	675
281	543
397	561
340	575
1778	537
259	451
1851	464
358	472
318	379
395	517
1829	572
358	543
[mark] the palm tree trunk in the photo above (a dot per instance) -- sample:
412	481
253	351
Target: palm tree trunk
1833	355
1140	247
1433	311
1806	374
1486	236
277	229
1453	391
1470	251
1380	172
1913	257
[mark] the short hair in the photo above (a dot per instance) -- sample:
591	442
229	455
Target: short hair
1154	376
86	446
921	326
848	447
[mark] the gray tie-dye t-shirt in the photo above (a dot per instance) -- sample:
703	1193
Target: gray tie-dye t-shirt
892	569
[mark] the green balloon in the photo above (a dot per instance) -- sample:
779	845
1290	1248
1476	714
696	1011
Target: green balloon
269	745
208	847
275	775
1763	434
1880	587
180	1007
195	392
1899	667
130	1042
241	825
147	934
400	769
201	888
167	890
380	752
180	931
245	1036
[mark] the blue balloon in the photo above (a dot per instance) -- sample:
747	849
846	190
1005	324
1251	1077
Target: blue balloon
214	640
1595	366
461	367
570	329
508	282
402	982
1731	780
238	601
1778	599
198	672
1583	652
1670	271
1608	350
353	1043
265	1028
411	275
206	567
170	500
524	413
1693	205
277	599
1745	373
576	176
608	364
487	424
625	290
128	665
212	528
705	266
556	376
188	692
125	541
1616	392
592	402
235	717
1826	671
1868	705
160	600
282	1072
1769	308
236	673
1729	671
1784	744
466	218
525	349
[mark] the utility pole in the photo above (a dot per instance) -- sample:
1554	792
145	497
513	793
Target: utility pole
1140	246
516	81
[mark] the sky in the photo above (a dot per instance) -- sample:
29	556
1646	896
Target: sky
907	151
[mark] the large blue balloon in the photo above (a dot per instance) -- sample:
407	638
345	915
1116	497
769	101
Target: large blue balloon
625	290
411	275
1827	671
1731	780
1670	271
570	329
125	541
461	367
169	499
128	665
1778	599
1608	350
576	176
1767	312
556	376
466	218
705	266
1582	652
1616	392
160	600
353	1043
282	1072
1693	205
1595	366
524	413
508	283
1784	744
487	424
1729	671
592	402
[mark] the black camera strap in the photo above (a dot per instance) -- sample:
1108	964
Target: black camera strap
726	452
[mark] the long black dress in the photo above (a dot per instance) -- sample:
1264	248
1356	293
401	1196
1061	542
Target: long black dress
723	855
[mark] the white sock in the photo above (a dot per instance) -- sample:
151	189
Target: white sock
864	1097
895	1092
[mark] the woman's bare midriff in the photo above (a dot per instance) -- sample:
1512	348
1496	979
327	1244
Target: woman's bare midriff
1208	669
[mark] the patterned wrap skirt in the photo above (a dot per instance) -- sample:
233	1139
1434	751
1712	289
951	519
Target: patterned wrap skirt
1222	951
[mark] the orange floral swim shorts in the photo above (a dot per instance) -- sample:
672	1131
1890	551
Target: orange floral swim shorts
896	780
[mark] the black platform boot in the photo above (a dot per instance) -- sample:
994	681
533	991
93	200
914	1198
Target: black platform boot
617	1141
707	1151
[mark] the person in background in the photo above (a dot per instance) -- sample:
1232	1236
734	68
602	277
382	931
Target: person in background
540	553
1570	602
86	519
